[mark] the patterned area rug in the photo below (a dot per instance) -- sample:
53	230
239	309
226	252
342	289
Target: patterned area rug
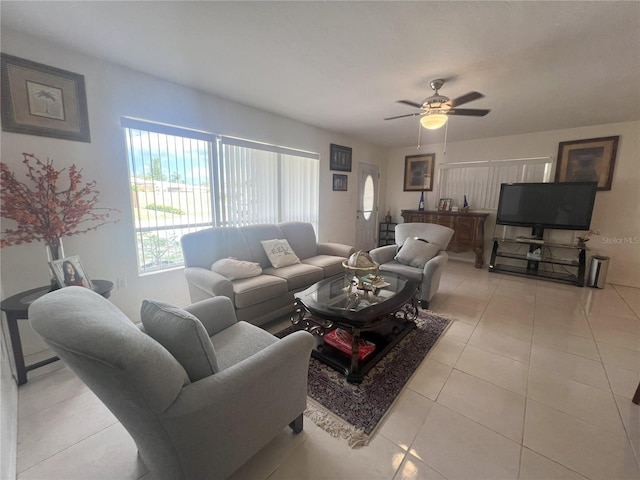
354	411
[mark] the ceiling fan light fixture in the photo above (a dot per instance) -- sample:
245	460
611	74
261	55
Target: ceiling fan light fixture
433	121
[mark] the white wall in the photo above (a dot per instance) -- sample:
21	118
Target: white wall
616	212
113	92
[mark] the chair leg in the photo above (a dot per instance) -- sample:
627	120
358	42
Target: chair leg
424	304
636	397
296	425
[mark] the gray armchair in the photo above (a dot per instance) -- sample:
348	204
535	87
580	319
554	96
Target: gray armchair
424	266
200	397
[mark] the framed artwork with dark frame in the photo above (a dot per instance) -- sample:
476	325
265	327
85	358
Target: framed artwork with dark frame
418	172
340	158
69	272
340	182
590	160
41	100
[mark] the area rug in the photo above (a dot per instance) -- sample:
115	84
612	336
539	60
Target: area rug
353	412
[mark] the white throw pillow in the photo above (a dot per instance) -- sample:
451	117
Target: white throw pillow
234	269
416	252
280	253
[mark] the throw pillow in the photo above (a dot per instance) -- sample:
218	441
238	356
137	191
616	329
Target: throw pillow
416	252
234	269
280	253
183	335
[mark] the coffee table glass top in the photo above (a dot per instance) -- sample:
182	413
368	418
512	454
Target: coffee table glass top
338	296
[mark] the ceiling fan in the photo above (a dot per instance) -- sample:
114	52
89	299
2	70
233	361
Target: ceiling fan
435	109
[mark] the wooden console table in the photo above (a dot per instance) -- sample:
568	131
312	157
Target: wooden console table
468	226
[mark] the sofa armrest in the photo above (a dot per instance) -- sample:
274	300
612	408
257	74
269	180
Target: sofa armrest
208	281
215	313
336	249
384	254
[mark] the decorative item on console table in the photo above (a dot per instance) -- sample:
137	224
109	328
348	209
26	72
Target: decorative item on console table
45	210
468	226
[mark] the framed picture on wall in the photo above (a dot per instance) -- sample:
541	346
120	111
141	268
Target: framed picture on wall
418	172
41	100
589	160
340	158
340	182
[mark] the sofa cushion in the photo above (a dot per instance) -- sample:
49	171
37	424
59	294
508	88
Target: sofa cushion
234	269
183	335
416	252
239	342
279	252
254	234
297	276
302	238
331	264
254	290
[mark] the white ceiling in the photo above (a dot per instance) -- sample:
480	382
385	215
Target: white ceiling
343	65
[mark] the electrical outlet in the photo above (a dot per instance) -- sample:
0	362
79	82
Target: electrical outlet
121	282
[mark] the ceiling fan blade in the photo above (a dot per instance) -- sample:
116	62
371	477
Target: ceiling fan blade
401	116
469	97
473	112
412	104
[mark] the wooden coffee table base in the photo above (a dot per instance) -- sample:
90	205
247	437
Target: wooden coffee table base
385	332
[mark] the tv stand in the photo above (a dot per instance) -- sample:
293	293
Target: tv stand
509	256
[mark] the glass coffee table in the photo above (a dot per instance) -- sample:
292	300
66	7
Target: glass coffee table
355	327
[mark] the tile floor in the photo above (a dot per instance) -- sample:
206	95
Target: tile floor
532	381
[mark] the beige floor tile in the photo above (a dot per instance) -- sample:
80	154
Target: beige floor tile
496	369
429	378
553	295
553	321
457	448
588	403
623	382
630	414
72	421
492	339
509	312
109	454
620	357
61	384
565	342
463	309
569	366
405	418
536	467
619	331
414	469
630	296
494	407
580	446
322	457
608	302
446	351
459	331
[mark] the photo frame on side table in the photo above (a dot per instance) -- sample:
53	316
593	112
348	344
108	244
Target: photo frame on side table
340	158
69	272
340	182
590	160
41	100
418	172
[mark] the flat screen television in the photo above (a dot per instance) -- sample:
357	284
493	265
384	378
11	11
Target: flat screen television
565	206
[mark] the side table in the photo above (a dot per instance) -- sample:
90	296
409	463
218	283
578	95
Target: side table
17	308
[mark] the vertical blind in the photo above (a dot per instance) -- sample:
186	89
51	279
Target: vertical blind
480	181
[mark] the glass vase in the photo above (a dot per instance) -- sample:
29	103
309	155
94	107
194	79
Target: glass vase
55	251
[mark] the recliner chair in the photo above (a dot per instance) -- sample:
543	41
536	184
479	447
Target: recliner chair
235	387
422	260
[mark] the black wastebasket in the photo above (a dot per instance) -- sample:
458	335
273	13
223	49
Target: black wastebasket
598	271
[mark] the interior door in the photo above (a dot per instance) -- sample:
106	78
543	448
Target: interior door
367	215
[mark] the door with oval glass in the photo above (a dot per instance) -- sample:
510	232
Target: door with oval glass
367	217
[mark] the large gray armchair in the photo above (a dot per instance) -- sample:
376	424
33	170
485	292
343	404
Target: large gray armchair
200	397
419	253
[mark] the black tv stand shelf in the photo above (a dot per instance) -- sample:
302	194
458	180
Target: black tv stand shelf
522	261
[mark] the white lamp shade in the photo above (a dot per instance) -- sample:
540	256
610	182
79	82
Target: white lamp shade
433	121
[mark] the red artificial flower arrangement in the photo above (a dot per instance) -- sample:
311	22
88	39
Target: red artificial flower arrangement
44	209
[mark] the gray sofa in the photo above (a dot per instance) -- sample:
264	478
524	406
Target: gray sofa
267	296
199	392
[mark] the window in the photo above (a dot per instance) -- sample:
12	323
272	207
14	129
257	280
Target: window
185	180
480	181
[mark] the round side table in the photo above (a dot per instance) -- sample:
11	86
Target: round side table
16	308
